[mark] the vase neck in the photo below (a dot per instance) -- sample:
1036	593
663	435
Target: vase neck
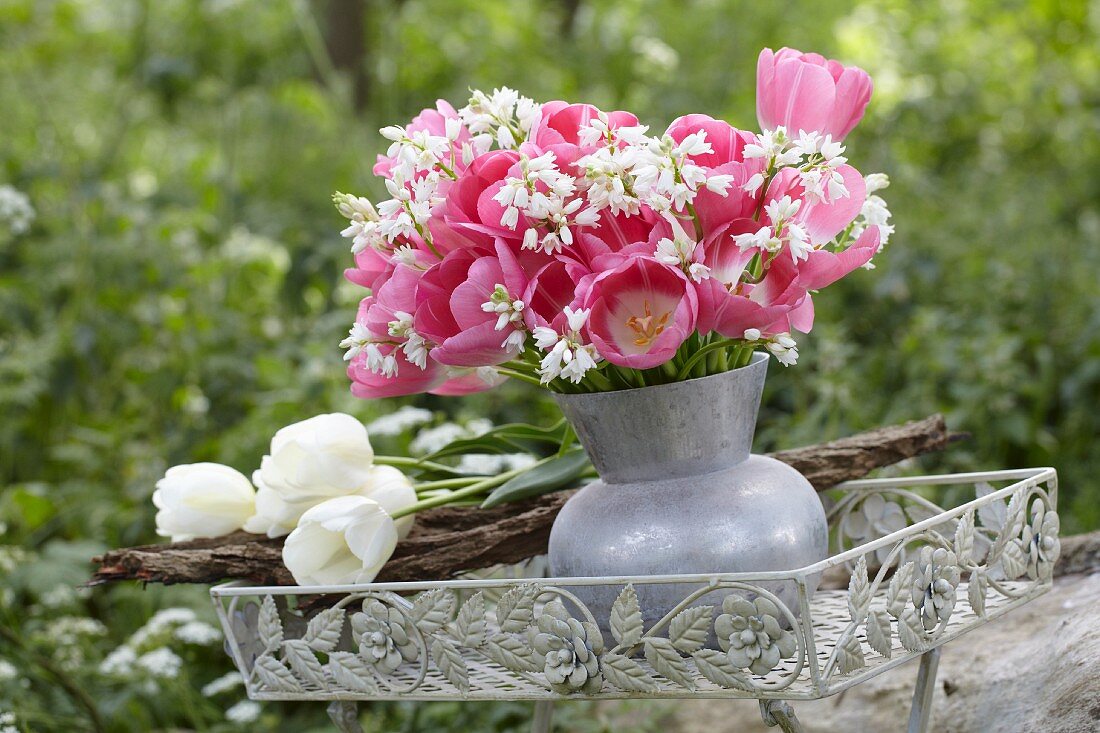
680	429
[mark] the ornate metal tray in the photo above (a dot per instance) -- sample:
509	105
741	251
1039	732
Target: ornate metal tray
907	577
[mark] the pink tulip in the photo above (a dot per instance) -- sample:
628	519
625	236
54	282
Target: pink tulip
449	312
729	310
806	91
469	217
823	267
561	123
640	312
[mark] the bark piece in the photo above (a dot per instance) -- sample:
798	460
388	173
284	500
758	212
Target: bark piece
450	540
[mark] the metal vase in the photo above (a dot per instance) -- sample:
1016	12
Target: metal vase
680	493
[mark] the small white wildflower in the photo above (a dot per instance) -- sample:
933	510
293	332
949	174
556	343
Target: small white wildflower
16	210
356	341
246	711
752	334
222	684
399	421
754	183
432	439
566	354
7	672
162	662
876	182
783	348
119	662
508	309
199	633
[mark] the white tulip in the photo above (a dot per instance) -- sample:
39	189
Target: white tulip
393	491
340	541
317	459
202	500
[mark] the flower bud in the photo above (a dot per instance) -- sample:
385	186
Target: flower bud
202	500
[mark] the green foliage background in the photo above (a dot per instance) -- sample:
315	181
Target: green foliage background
179	296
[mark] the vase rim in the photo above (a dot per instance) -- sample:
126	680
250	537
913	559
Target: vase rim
758	358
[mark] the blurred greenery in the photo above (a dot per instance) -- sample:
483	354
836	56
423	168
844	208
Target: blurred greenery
178	296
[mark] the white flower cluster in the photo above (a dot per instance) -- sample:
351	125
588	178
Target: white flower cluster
779	232
504	117
874	212
566	354
630	168
816	157
400	420
15	210
781	346
509	311
7	723
490	464
228	681
146	650
244	712
421	160
680	251
542	194
431	439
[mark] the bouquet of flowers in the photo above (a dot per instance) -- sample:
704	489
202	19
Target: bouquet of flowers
567	247
572	248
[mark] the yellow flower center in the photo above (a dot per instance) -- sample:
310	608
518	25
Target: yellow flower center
647	327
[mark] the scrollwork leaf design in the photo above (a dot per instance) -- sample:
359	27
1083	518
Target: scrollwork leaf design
897	593
450	662
626	618
626	674
849	652
688	629
714	665
510	653
880	632
300	657
663	657
323	632
275	676
964	538
270	627
911	630
516	608
1013	560
432	610
975	592
859	590
470	622
350	671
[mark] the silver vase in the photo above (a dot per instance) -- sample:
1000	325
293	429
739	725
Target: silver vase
680	493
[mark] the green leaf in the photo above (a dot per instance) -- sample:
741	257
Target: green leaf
557	473
511	438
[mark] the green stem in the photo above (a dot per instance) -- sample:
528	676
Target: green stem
471	490
448	483
520	376
700	354
406	462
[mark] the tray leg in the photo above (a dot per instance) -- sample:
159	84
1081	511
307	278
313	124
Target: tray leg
780	712
544	715
920	715
345	716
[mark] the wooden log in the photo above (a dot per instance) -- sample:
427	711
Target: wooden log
450	540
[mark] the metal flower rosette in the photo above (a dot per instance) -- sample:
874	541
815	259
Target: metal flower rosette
908	576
